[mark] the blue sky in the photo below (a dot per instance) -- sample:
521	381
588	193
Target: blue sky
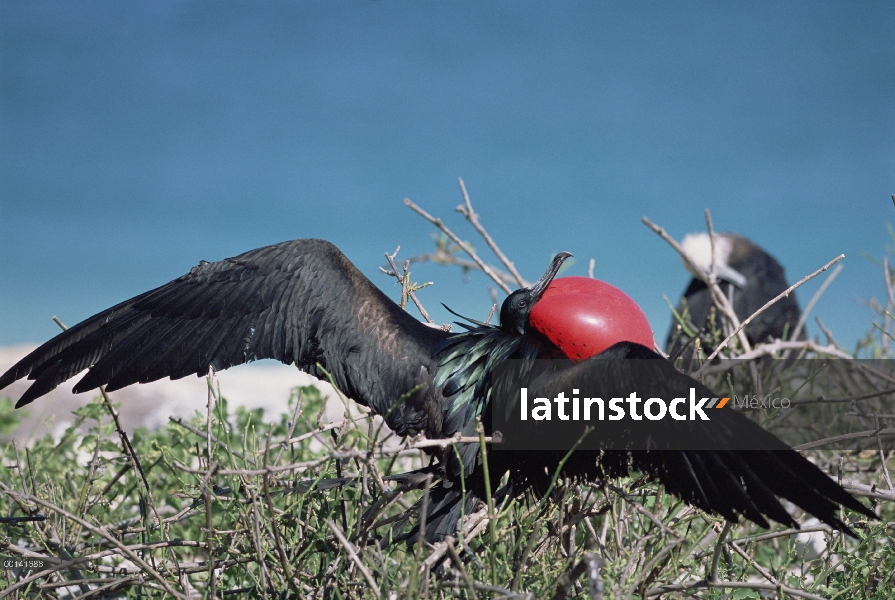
139	138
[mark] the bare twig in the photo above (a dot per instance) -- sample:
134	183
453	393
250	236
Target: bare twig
99	531
736	585
209	497
808	307
763	537
590	564
769	348
857	435
719	299
474	525
868	491
466	210
399	451
882	453
642	510
404	280
491	314
214	439
292	423
464	246
458	563
716	555
830	340
443	256
352	554
767	304
484	587
278	542
712	582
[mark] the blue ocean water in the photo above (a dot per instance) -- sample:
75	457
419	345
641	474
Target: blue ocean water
139	138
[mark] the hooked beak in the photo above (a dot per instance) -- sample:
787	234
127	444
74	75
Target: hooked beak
730	274
540	286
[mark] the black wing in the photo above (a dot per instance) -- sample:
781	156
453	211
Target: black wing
728	482
299	302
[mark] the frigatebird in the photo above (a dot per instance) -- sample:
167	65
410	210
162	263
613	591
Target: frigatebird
303	302
748	275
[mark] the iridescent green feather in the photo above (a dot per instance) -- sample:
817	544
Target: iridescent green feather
464	362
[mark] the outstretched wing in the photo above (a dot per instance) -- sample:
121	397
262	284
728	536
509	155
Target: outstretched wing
299	302
730	482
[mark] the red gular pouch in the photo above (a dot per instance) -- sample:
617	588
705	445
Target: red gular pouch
584	316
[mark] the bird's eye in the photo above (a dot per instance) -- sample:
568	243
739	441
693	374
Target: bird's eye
521	304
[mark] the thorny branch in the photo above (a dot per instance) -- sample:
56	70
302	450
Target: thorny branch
407	289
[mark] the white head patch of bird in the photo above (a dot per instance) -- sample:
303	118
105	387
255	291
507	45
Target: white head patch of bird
698	248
